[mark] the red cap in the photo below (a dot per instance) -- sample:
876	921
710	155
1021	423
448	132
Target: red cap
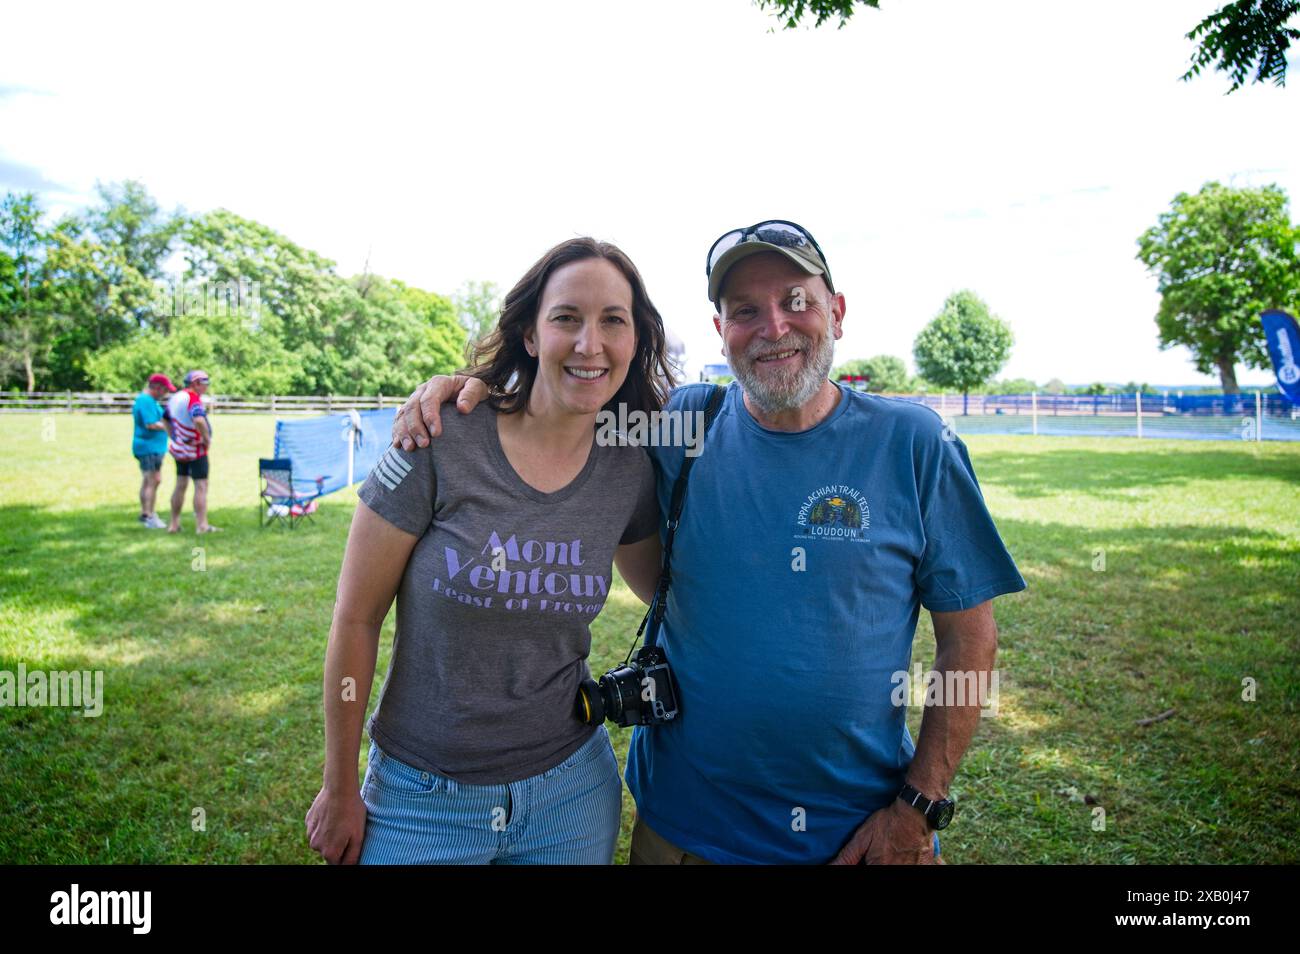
162	379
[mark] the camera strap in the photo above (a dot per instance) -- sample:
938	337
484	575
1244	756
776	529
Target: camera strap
660	604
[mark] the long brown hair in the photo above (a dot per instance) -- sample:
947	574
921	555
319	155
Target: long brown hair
502	362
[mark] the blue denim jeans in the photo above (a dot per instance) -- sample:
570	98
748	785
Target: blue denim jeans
568	814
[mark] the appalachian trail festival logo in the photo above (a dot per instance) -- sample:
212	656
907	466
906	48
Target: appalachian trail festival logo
835	512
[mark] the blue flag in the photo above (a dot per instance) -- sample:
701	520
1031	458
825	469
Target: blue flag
1284	348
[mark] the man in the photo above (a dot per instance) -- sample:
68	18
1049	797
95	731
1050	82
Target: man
817	523
191	438
149	444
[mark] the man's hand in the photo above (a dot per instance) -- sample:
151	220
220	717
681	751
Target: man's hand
336	826
896	835
419	418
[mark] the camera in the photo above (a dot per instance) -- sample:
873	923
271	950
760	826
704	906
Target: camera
640	692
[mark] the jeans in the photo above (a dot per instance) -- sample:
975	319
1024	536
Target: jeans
568	814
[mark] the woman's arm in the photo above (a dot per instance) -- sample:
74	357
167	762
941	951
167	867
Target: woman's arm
639	565
373	564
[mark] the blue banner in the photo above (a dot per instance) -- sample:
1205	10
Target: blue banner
1284	348
318	447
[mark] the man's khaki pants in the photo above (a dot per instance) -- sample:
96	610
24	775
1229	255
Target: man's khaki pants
650	848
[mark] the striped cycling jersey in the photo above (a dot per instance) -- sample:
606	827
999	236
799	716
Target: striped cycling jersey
183	407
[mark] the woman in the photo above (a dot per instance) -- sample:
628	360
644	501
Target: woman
497	544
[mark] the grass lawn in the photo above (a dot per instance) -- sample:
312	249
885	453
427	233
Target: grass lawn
1161	575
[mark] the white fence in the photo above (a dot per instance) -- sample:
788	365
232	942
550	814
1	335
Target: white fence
1251	417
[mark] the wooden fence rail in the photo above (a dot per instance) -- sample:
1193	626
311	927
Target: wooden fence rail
100	402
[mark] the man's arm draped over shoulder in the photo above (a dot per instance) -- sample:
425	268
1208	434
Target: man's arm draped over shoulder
419	417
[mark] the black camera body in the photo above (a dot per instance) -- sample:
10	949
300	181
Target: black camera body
641	692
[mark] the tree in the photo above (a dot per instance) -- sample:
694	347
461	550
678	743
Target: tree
28	325
100	270
886	372
86	302
1011	386
398	336
129	220
792	11
1234	38
81	306
443	350
1054	386
266	316
478	308
1221	257
282	290
1244	37
240	361
963	346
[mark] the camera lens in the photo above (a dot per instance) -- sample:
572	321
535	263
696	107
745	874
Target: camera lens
621	689
590	704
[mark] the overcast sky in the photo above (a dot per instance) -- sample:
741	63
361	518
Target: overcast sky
1015	148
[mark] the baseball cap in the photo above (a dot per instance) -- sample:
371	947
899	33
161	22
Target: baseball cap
163	380
773	235
195	376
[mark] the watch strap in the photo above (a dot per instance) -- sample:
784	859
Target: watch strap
921	802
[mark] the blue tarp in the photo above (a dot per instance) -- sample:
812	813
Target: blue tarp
318	447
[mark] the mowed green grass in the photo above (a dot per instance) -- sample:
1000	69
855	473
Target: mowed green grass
213	676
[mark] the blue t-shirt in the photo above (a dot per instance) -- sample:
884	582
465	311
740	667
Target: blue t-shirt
787	737
146	411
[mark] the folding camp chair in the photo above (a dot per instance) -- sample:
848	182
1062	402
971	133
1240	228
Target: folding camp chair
279	499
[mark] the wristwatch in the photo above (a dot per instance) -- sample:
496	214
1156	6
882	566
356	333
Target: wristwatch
937	813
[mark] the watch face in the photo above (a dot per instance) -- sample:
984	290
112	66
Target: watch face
943	811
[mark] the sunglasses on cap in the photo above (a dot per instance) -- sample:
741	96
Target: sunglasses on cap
779	232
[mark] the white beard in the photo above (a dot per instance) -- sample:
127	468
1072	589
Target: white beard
776	390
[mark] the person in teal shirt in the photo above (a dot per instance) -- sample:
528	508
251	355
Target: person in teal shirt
149	445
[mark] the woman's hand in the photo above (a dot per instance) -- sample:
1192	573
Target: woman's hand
336	826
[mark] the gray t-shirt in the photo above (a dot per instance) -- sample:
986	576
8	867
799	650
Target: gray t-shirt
495	603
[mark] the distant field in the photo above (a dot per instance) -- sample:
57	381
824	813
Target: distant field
1161	575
